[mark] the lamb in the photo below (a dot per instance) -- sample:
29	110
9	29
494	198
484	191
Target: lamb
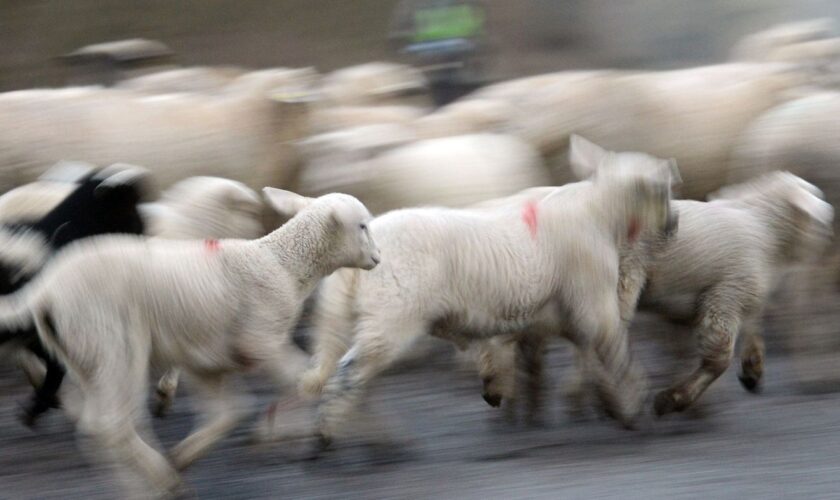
718	272
372	83
195	208
692	115
211	308
102	202
386	167
490	272
190	79
242	133
758	46
800	136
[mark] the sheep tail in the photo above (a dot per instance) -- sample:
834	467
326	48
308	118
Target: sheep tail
332	328
17	314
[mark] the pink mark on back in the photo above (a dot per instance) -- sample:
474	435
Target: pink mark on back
529	217
211	246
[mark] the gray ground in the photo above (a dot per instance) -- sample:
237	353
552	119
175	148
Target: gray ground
776	445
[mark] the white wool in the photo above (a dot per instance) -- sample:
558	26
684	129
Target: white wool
190	79
718	272
371	83
471	274
25	250
242	132
693	115
209	309
386	168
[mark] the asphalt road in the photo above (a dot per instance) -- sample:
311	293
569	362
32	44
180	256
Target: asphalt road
446	443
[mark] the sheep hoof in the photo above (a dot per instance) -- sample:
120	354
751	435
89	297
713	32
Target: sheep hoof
36	407
493	400
751	371
750	383
162	405
322	444
669	401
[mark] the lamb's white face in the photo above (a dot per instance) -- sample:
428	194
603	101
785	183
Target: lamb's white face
355	247
651	179
359	249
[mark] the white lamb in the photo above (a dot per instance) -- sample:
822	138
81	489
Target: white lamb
472	274
240	133
386	167
195	208
372	83
109	306
716	272
759	46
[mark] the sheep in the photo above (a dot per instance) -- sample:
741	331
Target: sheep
693	115
471	274
197	207
717	272
190	79
211	308
758	46
334	118
800	136
102	202
242	133
372	83
386	167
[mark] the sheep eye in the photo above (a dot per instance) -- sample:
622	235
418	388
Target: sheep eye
362	226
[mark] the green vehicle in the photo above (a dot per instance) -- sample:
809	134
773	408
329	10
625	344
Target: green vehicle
446	38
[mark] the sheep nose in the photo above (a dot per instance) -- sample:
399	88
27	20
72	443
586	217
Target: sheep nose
375	258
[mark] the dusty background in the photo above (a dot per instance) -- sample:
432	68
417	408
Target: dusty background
530	36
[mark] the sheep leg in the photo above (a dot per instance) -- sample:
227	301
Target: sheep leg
45	396
530	352
752	357
32	367
575	390
631	280
375	349
620	383
112	407
165	393
716	336
332	319
220	417
496	363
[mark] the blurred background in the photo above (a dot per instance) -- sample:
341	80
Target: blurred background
528	36
722	126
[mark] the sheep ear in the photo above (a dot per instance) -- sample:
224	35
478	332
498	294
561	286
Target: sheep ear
121	178
809	207
241	197
284	202
585	156
152	212
67	171
676	178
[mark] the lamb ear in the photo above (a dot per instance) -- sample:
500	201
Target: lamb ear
811	207
285	203
584	156
676	178
238	196
152	212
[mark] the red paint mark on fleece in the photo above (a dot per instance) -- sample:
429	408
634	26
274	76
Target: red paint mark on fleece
211	246
529	217
633	229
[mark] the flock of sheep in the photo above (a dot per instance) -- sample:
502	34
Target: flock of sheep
533	208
